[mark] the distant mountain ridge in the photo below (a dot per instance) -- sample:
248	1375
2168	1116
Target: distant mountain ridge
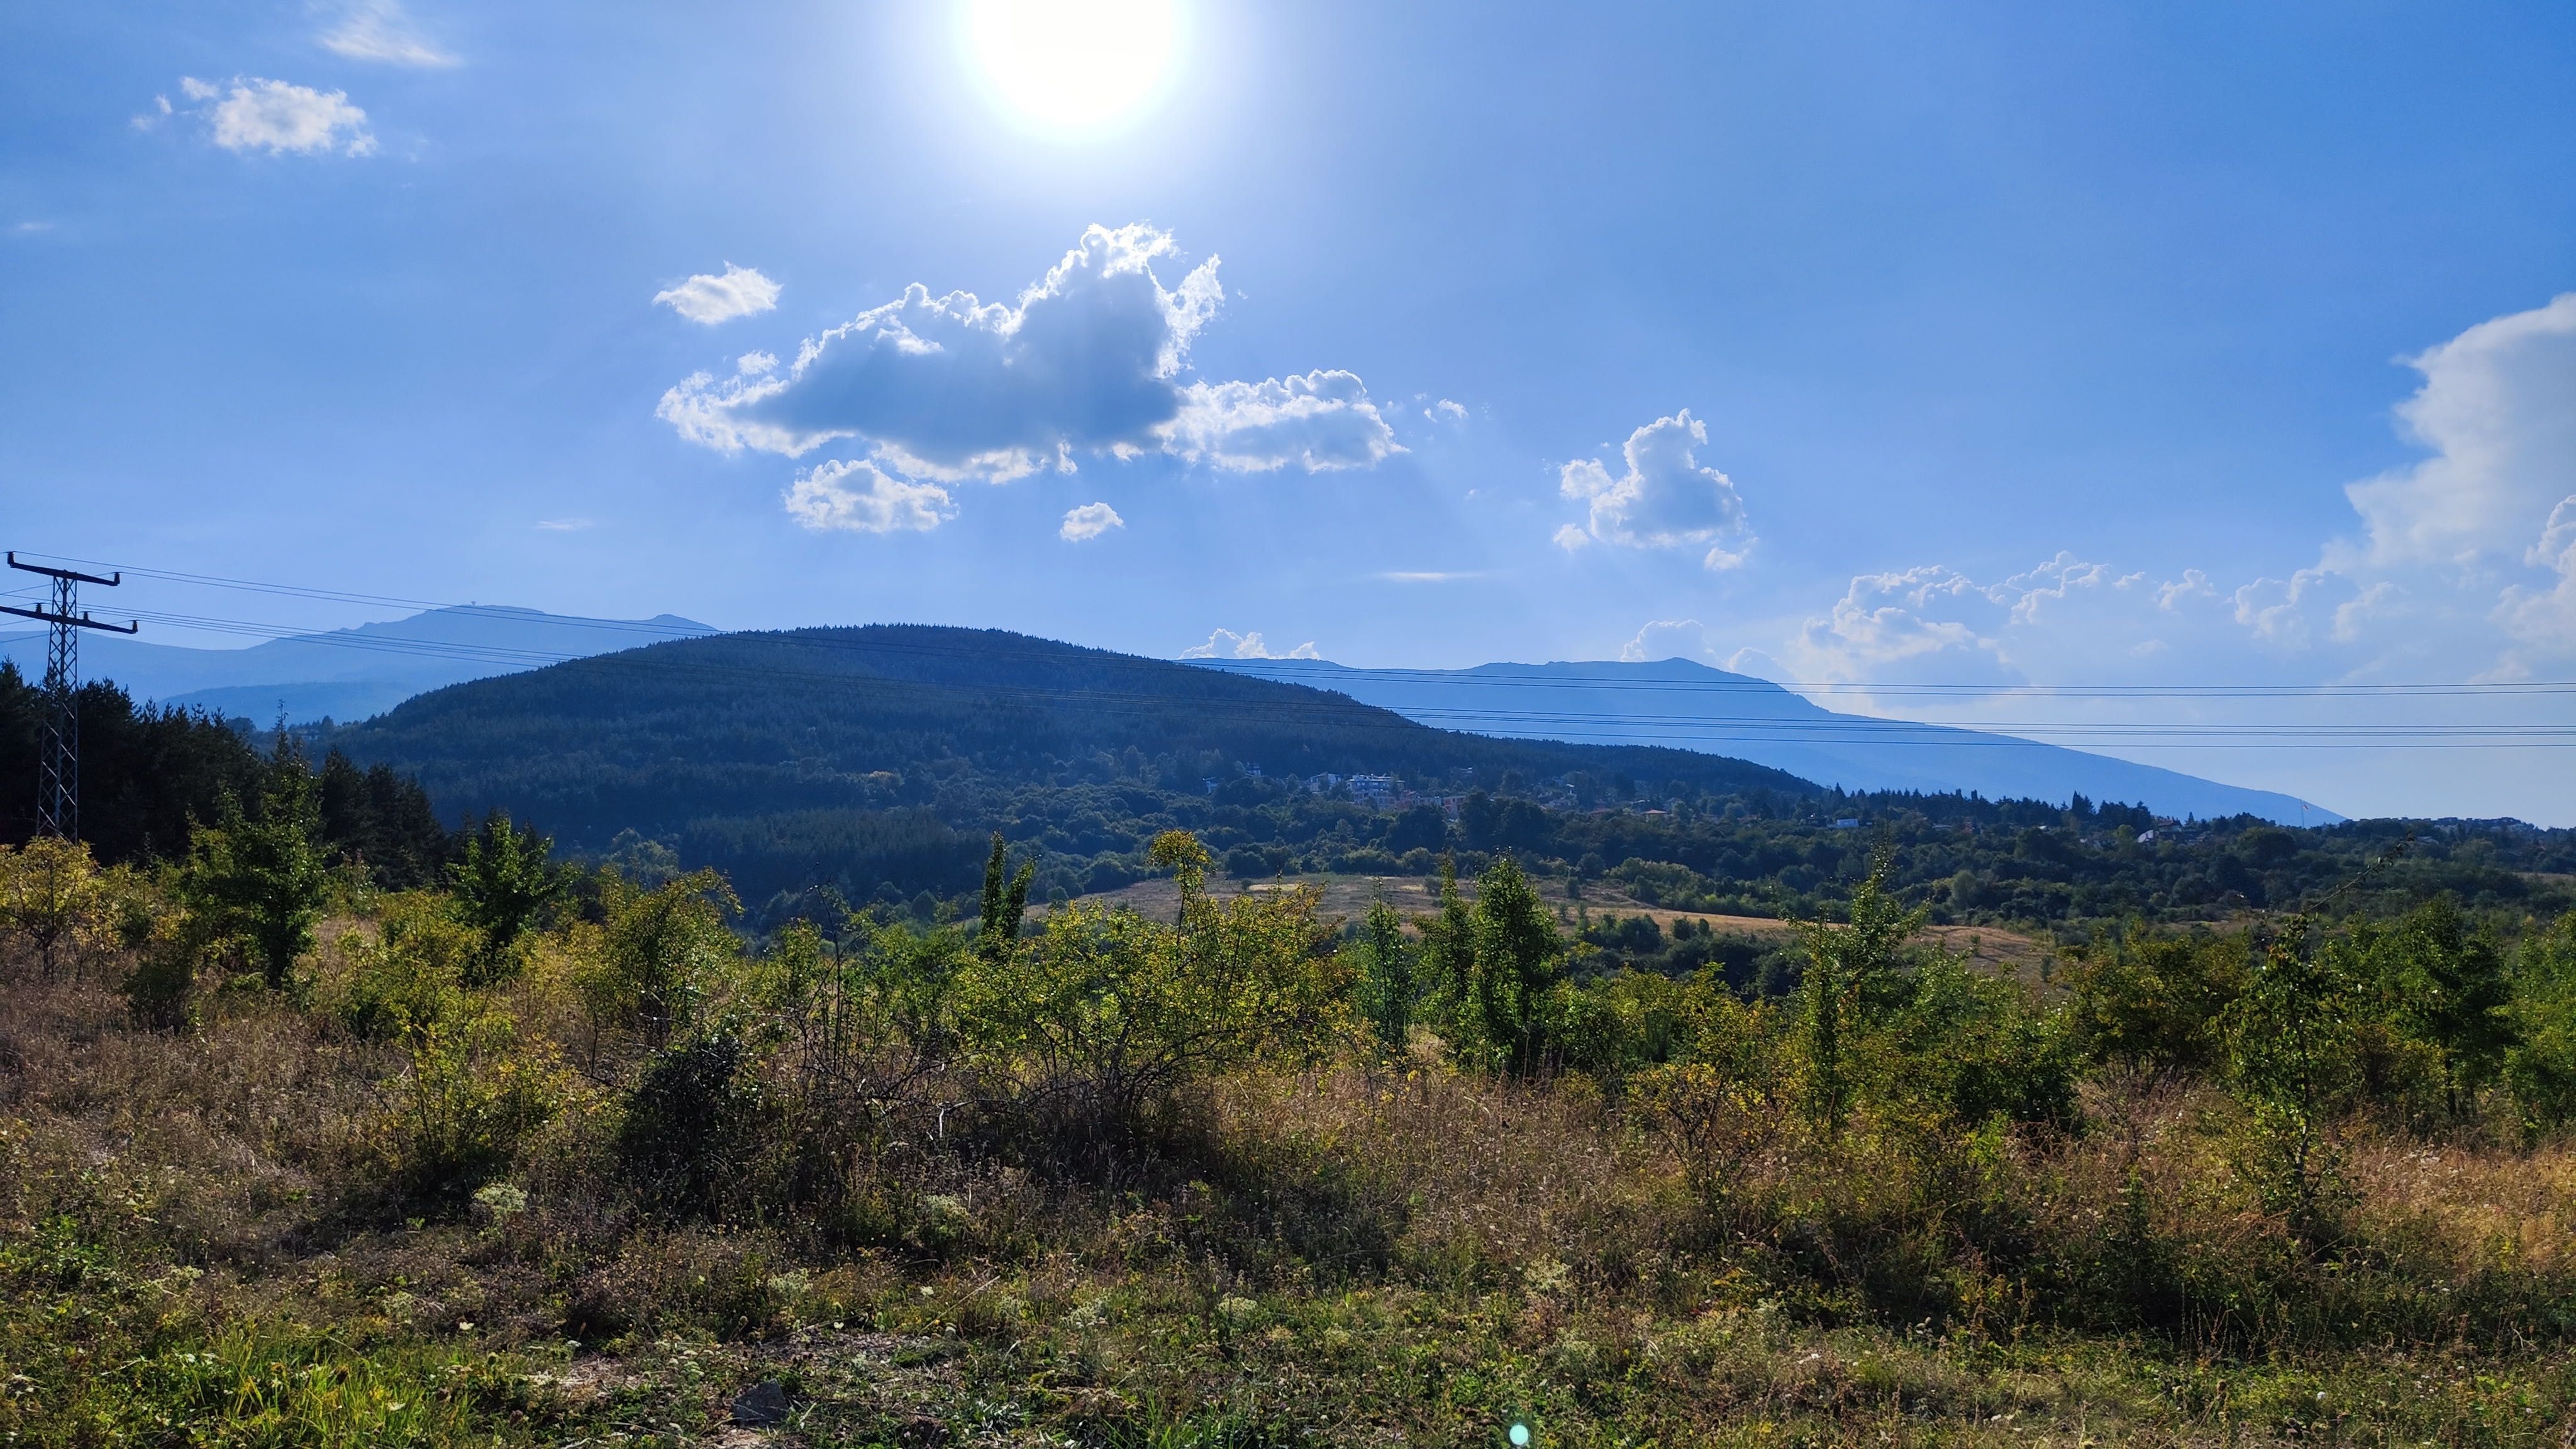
362	672
356	673
1681	704
851	756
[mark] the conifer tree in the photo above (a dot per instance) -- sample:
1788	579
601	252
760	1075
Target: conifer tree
1387	985
261	881
503	884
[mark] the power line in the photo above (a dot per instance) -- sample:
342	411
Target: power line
1325	673
1581	727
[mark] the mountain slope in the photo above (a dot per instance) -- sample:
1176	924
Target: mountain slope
350	673
1681	704
850	755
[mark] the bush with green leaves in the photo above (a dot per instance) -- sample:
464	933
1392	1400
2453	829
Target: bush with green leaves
1106	1017
2154	1001
658	953
410	975
503	886
2289	1061
1386	982
259	881
2540	1064
472	1091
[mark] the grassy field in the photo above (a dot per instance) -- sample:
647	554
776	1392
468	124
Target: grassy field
562	1159
1348	897
197	1249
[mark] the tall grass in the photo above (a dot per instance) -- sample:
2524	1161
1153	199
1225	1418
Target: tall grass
600	1196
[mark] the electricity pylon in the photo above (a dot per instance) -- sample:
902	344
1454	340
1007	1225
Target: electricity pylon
58	764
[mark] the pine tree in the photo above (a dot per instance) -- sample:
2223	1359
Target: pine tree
261	881
503	885
1387	985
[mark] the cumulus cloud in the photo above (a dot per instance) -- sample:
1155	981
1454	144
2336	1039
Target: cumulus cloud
2462	564
1321	422
1665	498
952	387
1088	360
2497	409
1088	522
378	30
2062	618
278	118
1227	644
859	497
1666	639
708	300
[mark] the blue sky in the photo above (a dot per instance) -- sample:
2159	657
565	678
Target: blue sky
1979	344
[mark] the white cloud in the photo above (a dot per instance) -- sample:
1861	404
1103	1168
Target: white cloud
1445	411
1088	360
708	300
275	117
2463	565
951	387
378	30
1227	644
1089	522
1322	421
1666	639
2498	409
858	497
1665	499
1429	576
565	525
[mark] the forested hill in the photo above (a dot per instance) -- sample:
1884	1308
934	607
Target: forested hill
847	756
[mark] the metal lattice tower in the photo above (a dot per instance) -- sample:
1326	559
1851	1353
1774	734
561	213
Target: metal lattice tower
58	760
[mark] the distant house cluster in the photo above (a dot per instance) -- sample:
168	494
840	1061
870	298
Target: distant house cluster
1380	792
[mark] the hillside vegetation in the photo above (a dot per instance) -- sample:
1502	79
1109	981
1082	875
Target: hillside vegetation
875	762
550	1155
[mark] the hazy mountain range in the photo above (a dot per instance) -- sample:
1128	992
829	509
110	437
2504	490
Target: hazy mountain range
350	674
361	672
1677	703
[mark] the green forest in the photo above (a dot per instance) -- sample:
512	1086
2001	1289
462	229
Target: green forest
875	762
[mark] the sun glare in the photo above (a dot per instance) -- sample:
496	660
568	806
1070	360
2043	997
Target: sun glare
1074	68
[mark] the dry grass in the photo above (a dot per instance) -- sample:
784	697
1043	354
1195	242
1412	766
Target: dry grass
1348	897
1365	1254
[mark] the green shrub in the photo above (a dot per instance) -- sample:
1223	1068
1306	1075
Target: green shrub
659	952
503	885
473	1091
1107	1015
408	978
687	1122
2540	1065
1387	987
161	985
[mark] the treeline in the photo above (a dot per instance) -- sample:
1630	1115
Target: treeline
151	776
866	767
914	806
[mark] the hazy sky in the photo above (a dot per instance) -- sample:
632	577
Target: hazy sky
2167	345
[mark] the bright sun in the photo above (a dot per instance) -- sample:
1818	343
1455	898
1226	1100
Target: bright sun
1073	68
